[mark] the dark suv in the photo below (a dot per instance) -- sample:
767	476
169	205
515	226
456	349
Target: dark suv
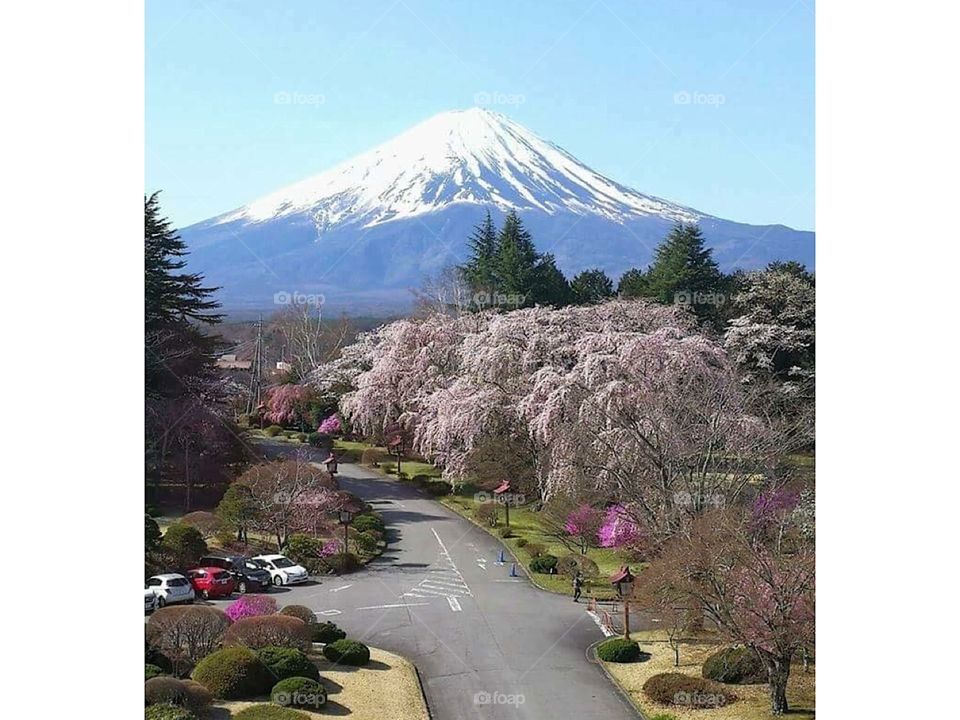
248	576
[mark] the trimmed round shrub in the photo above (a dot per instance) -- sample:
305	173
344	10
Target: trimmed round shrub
366	522
687	691
438	488
544	564
535	549
327	632
273	431
347	652
269	712
152	671
206	522
735	666
300	611
570	565
620	650
341	562
287	663
486	513
505	532
260	632
233	673
168	712
372	456
365	542
300	692
314	438
522	542
165	690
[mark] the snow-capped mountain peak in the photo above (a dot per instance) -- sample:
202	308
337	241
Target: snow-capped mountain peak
465	156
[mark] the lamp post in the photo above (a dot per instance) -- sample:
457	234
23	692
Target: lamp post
345	517
627	587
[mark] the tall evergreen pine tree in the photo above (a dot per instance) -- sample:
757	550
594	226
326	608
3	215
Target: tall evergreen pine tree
684	266
178	352
516	259
479	271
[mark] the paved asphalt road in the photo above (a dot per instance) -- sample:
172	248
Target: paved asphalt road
487	645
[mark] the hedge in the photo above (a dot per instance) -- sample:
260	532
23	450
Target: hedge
735	666
620	650
233	673
544	564
688	691
287	663
368	521
269	712
168	712
299	692
266	630
300	611
327	632
347	652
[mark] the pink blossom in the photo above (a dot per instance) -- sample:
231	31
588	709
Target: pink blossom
330	425
250	606
618	529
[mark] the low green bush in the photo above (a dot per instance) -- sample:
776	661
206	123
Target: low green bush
486	513
273	431
570	565
269	712
153	671
735	666
365	542
299	692
620	650
341	562
438	488
367	522
168	712
687	691
347	652
300	611
535	549
521	542
544	564
327	632
663	716
314	439
302	437
165	691
286	663
505	532
233	673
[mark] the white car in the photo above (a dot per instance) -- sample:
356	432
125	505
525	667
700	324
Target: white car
149	601
283	570
171	588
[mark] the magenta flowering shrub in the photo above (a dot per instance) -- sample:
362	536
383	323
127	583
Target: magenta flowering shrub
330	425
331	547
251	606
618	529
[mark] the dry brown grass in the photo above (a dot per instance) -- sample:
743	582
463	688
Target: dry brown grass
753	701
385	689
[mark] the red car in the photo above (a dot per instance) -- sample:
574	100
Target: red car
211	582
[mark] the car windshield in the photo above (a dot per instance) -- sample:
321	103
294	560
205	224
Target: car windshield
283	563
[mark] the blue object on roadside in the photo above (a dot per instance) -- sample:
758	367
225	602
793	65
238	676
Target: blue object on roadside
501	558
513	569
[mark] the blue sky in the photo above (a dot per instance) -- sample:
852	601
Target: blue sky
704	102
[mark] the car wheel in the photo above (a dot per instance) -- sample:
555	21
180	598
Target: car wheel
161	602
242	588
277	580
206	594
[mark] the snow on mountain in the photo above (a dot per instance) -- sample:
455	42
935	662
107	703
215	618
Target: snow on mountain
365	232
474	156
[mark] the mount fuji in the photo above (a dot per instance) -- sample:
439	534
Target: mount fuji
366	232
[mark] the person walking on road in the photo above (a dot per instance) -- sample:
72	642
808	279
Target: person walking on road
577	585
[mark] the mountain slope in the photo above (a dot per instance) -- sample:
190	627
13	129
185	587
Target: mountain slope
366	231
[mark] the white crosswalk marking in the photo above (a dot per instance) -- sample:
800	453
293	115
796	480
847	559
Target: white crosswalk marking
444	581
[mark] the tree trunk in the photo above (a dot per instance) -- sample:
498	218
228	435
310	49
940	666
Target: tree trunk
778	672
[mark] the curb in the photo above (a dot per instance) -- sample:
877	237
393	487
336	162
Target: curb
621	690
423	693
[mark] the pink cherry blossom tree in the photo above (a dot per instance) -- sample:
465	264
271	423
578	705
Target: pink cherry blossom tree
583	523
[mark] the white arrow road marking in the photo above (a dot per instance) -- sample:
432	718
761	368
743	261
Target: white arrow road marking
397	605
328	612
454	603
341	588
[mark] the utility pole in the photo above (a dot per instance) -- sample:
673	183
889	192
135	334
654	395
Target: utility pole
256	371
